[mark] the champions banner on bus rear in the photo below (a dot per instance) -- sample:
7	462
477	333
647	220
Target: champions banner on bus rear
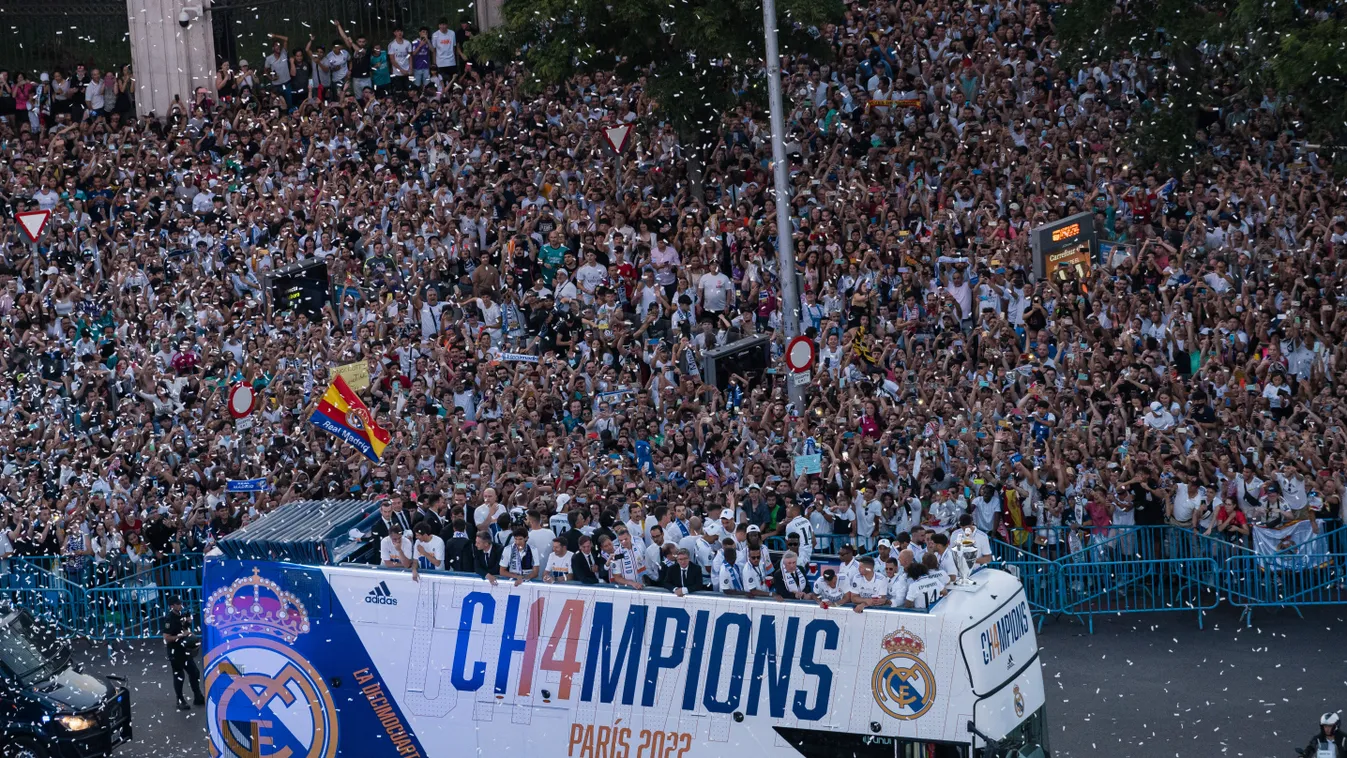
321	662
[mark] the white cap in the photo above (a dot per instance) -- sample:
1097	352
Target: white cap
753	528
713	529
562	500
1155	406
727	513
885	543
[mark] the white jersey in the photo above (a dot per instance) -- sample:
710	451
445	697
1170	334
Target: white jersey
828	594
800	525
876	586
898	589
386	552
559	567
849	571
923	592
434	549
540	540
734	577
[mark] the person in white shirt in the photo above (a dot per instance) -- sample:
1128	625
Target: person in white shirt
717	293
918	545
896	570
924	589
868	588
566	291
623	564
636	549
759	563
1158	418
703	549
869	511
559	566
734	579
517	560
491	508
429	548
968	534
540	537
850	568
654	549
944	556
400	60
640	524
445	45
395	550
560	522
800	526
945	511
590	276
829	589
987	509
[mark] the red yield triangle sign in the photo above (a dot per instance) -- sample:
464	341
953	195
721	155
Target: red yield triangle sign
617	137
33	223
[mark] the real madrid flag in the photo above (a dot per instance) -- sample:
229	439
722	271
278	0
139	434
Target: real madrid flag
341	413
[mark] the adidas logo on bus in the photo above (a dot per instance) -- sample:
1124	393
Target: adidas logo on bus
381	596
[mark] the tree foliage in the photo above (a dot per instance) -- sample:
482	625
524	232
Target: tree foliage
1214	52
698	56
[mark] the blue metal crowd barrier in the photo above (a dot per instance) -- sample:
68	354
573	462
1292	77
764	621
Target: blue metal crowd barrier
129	613
129	608
1115	587
1145	569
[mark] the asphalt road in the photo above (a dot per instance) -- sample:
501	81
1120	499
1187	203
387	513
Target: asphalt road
1144	686
1155	685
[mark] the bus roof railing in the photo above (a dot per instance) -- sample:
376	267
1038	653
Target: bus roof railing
773	598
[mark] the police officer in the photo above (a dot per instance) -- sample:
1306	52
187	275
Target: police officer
1329	742
182	652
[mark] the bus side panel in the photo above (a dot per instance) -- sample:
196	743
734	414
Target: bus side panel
286	671
452	666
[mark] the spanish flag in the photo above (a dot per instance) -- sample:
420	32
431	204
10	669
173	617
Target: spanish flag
341	413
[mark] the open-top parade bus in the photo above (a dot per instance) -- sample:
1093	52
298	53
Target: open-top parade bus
324	661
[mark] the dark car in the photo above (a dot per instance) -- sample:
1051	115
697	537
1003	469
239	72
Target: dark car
49	708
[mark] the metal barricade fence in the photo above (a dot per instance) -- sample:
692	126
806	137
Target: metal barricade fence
1116	587
1313	572
1144	569
132	613
1041	577
132	608
53	604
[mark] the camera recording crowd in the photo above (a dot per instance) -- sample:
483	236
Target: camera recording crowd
534	313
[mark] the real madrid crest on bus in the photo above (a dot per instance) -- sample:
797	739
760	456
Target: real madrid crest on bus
903	684
264	698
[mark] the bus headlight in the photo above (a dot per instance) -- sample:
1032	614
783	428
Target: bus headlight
77	723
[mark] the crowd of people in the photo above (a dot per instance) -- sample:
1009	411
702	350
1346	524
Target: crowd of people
673	550
534	314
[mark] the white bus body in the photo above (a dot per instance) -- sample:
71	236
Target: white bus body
318	662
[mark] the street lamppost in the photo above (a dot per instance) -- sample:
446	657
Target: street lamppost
785	242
